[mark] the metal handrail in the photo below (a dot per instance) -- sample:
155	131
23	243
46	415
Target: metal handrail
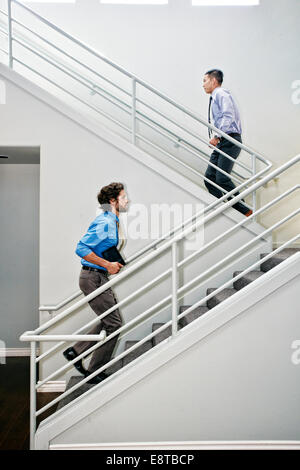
139	81
172	322
138	100
144	118
181	291
35	336
153	245
168	271
166	245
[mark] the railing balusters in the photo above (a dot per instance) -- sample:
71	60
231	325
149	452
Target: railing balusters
254	198
9	19
133	110
32	394
174	288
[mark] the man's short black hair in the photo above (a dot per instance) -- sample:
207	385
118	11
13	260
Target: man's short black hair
218	74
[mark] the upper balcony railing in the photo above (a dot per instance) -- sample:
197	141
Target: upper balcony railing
141	113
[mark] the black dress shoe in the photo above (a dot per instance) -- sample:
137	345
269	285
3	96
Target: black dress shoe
97	379
70	354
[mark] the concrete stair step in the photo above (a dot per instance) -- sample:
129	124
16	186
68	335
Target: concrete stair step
277	259
220	297
246	279
162	335
137	352
196	313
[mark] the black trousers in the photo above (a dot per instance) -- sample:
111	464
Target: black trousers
88	282
225	164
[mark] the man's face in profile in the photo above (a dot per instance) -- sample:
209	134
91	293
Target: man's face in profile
209	84
122	202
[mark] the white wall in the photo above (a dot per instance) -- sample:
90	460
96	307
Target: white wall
172	46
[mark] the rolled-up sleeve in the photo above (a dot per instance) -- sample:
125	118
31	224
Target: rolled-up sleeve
95	235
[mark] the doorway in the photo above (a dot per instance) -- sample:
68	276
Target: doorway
19	245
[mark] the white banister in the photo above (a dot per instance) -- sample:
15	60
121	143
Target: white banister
174	288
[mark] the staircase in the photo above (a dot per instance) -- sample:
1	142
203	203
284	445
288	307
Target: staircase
245	280
140	114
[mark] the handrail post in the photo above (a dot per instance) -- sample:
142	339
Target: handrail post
32	394
254	201
133	110
174	288
9	19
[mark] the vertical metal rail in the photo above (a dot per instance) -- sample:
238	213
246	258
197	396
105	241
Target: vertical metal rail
174	288
133	110
254	198
9	19
32	394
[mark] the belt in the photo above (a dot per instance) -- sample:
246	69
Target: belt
234	134
94	269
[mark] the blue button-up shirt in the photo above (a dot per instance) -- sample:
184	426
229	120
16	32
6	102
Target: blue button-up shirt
101	235
225	113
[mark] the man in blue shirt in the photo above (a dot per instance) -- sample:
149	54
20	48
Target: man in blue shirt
226	117
101	235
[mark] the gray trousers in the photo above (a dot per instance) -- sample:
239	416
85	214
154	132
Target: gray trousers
88	282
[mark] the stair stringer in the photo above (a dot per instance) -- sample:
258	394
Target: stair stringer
158	380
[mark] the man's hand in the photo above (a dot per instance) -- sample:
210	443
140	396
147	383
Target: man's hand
114	268
214	141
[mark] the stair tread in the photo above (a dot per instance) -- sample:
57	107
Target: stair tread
137	352
220	297
114	368
246	278
162	335
286	253
277	258
251	274
191	316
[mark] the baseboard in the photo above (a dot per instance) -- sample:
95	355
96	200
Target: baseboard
54	386
201	445
15	352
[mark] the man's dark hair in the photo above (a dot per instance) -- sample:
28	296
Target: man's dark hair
218	74
111	191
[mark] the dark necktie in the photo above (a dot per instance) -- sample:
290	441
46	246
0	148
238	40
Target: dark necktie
209	120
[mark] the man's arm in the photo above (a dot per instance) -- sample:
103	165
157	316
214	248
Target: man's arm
112	268
227	111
